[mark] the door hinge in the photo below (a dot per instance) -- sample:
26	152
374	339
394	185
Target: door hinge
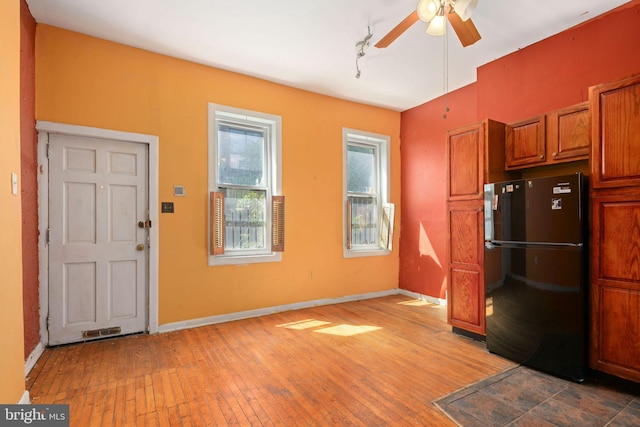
48	236
48	321
48	149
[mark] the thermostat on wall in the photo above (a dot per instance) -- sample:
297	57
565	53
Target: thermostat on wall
178	190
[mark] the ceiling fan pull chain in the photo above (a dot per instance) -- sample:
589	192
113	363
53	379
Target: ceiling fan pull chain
445	78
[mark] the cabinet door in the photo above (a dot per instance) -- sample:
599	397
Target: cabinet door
615	285
466	305
615	146
569	133
465	158
525	143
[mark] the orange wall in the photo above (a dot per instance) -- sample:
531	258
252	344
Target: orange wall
553	73
91	82
11	333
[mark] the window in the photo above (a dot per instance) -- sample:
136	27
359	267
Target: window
368	214
246	209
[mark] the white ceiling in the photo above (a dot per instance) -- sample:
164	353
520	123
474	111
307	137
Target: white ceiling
310	44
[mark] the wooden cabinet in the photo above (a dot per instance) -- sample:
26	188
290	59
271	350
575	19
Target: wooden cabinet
466	151
525	143
615	231
559	136
615	284
466	265
475	156
615	148
568	133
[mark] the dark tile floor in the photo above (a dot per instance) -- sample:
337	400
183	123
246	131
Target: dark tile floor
524	397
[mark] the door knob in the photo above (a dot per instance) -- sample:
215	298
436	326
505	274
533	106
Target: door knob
140	247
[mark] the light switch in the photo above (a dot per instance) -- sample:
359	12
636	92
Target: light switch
14	183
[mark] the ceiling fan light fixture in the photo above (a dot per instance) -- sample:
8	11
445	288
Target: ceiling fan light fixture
438	25
427	9
465	8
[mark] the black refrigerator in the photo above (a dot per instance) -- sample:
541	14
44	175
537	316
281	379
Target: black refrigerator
536	273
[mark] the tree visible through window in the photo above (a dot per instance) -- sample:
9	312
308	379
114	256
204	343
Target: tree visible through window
363	194
244	163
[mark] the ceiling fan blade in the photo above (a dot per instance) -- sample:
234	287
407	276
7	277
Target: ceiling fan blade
398	30
466	31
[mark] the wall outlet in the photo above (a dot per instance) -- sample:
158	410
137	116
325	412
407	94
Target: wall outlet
14	183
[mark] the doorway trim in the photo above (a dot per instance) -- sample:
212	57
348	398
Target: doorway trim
46	128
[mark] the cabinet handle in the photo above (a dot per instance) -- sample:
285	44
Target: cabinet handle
542	156
555	154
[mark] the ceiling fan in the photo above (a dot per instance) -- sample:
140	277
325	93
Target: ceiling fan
434	12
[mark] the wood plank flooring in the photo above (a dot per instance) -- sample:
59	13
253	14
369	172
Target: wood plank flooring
368	363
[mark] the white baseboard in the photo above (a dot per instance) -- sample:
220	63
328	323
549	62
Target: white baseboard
427	298
211	320
25	399
33	358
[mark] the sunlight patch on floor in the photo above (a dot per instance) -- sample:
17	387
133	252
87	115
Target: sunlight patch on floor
347	330
304	324
416	303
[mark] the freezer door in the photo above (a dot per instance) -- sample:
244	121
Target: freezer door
553	209
505	211
542	210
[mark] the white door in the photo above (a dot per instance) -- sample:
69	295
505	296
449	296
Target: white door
98	253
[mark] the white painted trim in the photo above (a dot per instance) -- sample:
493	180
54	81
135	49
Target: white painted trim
44	130
33	358
272	124
383	146
427	298
25	399
212	320
43	225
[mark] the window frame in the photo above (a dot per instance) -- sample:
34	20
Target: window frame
381	144
272	126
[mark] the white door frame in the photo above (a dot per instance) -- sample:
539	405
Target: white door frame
45	128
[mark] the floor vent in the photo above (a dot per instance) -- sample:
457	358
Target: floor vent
96	333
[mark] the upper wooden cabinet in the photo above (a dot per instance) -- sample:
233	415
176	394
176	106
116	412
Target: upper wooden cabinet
569	133
475	155
525	143
615	148
559	136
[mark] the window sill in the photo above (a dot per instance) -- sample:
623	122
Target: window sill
244	259
355	253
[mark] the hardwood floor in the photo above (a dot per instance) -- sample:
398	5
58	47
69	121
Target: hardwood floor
373	362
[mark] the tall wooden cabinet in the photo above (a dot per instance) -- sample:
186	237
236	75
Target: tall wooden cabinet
615	237
475	156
